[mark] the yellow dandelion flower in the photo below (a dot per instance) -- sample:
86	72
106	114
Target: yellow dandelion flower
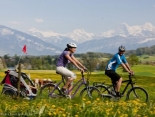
118	112
76	115
88	102
62	109
53	106
54	113
64	115
49	113
76	104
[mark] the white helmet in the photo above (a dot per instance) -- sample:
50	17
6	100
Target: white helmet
121	48
71	45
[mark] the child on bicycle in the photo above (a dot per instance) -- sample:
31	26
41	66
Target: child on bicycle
110	71
66	57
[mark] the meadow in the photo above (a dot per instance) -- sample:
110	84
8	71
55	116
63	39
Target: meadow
76	107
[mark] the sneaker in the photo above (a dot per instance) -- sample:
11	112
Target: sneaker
63	90
68	96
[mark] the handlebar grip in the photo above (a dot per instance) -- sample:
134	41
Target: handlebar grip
85	70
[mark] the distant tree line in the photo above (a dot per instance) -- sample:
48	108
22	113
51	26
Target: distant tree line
92	60
142	51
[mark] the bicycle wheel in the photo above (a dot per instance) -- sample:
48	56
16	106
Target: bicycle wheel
90	92
10	93
105	92
50	90
137	93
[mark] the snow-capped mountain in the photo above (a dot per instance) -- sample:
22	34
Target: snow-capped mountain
130	36
51	43
125	30
80	35
111	44
12	42
77	36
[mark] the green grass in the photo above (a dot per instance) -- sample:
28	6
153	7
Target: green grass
145	75
142	70
139	70
145	58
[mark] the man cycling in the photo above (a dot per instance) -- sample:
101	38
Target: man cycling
110	71
66	57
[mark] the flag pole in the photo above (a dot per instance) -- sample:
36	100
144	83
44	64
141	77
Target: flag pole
19	75
19	59
23	50
19	71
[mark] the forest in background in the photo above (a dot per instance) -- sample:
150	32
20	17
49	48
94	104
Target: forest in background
92	60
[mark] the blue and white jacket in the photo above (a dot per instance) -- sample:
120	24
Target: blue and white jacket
115	62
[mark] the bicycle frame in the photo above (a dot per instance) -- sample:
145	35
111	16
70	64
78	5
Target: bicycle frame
129	82
79	83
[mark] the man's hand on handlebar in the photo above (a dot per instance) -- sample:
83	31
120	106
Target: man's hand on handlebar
131	73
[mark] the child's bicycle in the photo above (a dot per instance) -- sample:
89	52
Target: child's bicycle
54	90
135	92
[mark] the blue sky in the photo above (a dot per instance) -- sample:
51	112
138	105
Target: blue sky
63	16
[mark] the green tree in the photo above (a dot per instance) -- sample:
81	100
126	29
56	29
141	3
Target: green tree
133	60
90	61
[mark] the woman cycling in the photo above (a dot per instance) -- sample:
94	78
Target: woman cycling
66	57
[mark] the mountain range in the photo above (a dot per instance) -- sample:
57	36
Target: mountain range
51	43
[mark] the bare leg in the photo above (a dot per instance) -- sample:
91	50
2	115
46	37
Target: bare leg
118	85
69	88
67	83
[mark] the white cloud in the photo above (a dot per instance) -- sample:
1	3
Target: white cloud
39	20
14	22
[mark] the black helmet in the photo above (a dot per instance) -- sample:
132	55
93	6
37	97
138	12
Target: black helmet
121	48
71	45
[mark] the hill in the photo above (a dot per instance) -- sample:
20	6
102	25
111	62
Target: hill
46	43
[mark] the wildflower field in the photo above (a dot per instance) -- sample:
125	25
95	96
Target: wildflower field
78	107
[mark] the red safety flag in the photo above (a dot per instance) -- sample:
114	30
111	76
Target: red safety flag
24	49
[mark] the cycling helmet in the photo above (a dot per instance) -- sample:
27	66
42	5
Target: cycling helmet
121	48
71	45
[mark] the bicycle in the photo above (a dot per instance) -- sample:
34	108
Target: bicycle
135	92
54	91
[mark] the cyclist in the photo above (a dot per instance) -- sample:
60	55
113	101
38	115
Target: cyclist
66	57
110	71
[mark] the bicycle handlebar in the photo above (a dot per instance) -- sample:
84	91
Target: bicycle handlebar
132	75
88	73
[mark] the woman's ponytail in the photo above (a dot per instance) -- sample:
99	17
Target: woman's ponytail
66	49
